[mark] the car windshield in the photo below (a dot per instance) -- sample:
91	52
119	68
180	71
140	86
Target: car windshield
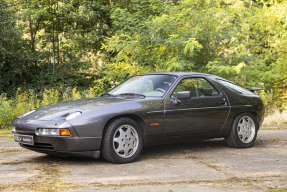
146	85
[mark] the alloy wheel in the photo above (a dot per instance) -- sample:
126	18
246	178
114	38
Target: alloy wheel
246	129
125	141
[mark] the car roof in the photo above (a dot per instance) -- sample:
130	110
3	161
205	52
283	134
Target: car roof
180	74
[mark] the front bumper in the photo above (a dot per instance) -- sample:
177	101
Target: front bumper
48	149
66	146
57	145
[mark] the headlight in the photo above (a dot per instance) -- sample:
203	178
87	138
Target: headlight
53	132
47	132
73	115
13	129
26	113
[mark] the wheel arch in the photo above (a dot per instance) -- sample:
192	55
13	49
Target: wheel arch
134	117
252	112
232	139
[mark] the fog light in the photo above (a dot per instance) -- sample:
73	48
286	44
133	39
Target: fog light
48	132
65	132
13	129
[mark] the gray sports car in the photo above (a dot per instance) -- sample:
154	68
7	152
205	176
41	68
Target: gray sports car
145	109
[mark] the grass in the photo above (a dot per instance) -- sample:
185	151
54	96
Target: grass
46	179
25	101
5	131
276	118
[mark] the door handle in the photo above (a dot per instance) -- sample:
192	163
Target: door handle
223	102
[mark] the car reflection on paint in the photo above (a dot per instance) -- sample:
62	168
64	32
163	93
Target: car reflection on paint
146	109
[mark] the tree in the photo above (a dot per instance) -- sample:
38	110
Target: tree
11	47
177	36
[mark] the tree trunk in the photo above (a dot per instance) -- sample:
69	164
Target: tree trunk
58	57
53	39
32	36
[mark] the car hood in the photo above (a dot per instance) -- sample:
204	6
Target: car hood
60	110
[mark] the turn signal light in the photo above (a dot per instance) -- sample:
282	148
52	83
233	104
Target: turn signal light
65	132
154	124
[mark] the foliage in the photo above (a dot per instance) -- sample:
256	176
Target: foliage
12	47
24	101
5	132
49	46
280	93
258	43
243	41
183	36
275	118
43	37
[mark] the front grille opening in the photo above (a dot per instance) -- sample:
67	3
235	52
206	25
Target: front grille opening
39	147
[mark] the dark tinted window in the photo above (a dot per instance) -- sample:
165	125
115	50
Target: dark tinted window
235	88
199	87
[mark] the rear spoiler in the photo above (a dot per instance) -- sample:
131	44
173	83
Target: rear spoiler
253	89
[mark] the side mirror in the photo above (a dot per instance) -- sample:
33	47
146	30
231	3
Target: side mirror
181	95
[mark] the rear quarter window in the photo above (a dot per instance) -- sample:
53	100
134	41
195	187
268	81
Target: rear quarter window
235	88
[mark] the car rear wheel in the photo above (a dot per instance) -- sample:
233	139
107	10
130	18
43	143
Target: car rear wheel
243	132
122	141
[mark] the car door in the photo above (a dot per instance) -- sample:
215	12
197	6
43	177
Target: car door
205	112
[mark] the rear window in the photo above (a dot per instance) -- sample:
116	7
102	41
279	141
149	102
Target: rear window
235	88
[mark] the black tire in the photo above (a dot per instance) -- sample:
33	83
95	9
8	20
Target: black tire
243	131
122	141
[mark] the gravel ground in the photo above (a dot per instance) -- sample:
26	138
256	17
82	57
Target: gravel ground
191	166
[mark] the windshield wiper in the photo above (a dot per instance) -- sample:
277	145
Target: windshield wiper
107	94
132	94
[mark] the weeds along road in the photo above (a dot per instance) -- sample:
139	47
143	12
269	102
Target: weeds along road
194	166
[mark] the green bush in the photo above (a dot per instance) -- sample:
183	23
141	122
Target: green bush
25	101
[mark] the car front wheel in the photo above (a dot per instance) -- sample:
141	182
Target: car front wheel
243	132
122	141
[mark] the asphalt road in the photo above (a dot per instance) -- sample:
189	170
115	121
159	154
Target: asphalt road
192	166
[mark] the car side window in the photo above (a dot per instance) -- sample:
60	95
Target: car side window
235	88
199	87
205	89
